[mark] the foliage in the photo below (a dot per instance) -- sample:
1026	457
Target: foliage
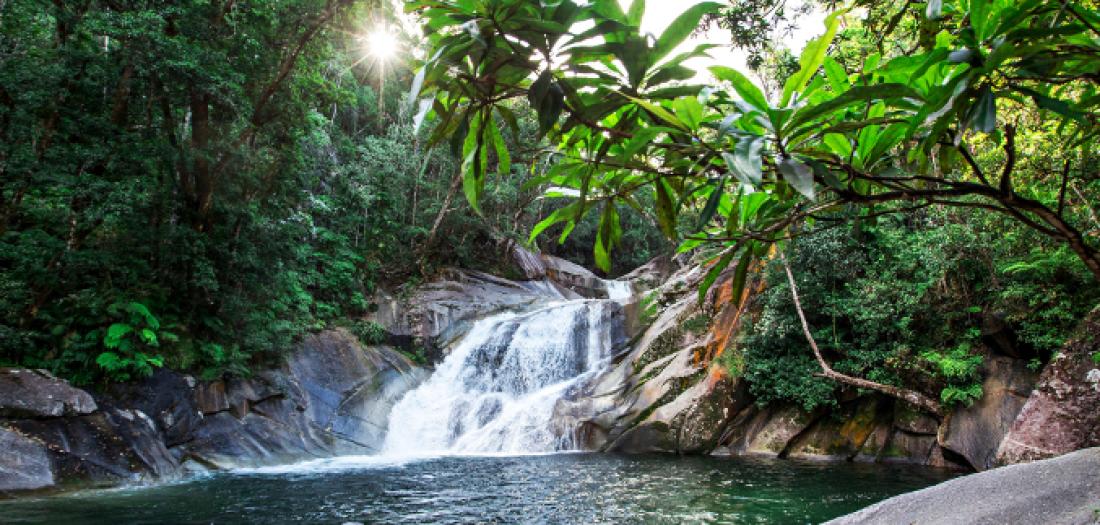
901	301
228	165
131	342
725	165
369	332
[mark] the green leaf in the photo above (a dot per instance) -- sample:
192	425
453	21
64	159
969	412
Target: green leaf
745	162
680	29
666	211
812	57
983	114
712	204
799	175
714	272
743	86
504	159
115	334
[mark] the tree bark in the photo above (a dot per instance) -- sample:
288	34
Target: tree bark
910	396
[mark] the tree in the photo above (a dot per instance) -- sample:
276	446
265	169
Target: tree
731	171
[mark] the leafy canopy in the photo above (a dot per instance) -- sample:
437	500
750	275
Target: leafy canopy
725	165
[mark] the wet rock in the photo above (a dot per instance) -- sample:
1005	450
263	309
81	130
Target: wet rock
25	464
1064	490
913	421
438	314
349	389
168	397
111	445
28	393
975	432
842	434
777	430
210	397
1062	414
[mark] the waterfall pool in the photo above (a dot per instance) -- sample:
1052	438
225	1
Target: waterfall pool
556	488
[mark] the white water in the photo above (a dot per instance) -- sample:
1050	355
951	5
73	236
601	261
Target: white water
620	291
496	391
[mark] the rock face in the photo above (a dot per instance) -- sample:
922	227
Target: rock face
1064	490
1063	413
25	464
36	393
439	313
975	432
332	396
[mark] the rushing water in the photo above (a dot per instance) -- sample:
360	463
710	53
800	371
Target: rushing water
561	488
496	391
493	395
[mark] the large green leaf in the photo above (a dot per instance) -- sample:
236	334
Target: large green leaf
799	175
680	29
743	86
812	58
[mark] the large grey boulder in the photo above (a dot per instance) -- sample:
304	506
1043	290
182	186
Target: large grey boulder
25	463
38	394
1063	490
332	396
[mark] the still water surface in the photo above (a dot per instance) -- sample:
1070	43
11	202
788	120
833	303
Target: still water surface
561	488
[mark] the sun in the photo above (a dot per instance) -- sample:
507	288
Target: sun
382	44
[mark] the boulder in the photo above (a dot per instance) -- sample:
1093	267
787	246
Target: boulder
109	446
25	463
333	396
173	400
348	389
975	432
777	429
1062	414
1064	490
38	394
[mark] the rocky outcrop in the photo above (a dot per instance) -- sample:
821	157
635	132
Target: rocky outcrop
1063	412
332	396
1064	490
975	432
35	394
437	314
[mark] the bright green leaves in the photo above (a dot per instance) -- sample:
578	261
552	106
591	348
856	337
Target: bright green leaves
130	341
743	86
608	236
680	28
812	58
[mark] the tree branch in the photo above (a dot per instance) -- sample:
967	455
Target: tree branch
912	397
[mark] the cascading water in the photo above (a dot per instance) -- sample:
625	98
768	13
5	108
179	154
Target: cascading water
496	391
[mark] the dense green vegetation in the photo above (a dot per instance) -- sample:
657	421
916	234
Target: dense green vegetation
196	185
902	301
898	112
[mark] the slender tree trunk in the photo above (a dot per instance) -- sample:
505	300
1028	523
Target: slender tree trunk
910	396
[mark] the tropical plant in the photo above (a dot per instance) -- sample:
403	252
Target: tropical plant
732	171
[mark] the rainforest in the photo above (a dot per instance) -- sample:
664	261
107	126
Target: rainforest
554	261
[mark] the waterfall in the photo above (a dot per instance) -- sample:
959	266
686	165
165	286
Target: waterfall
620	291
497	389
